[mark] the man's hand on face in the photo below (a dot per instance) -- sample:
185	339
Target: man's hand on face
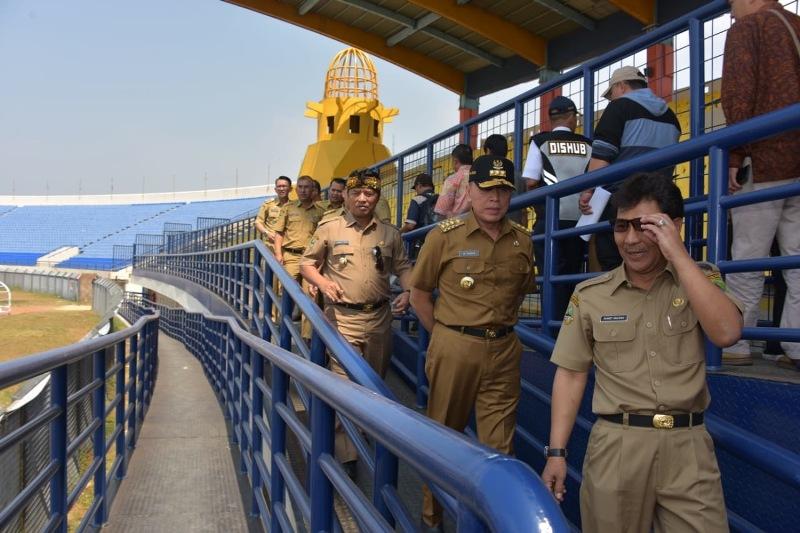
662	229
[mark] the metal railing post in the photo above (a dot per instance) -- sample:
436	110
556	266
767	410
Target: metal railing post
429	159
119	417
322	443
694	223
386	466
399	191
256	444
99	437
717	230
280	383
58	447
547	291
588	102
519	128
133	380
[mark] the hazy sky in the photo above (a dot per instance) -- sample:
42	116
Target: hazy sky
139	91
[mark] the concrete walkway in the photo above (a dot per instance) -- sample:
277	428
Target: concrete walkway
181	476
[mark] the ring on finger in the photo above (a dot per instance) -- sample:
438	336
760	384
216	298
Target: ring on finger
662	222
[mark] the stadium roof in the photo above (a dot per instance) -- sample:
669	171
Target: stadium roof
476	47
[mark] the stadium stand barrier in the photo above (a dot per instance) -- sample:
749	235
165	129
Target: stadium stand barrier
44	443
63	284
242	276
254	380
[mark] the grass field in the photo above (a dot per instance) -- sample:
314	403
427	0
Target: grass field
40	322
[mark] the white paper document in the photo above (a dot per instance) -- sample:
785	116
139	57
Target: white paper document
597	203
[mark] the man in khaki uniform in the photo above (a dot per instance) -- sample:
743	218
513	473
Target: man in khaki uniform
481	264
350	258
271	209
382	211
650	462
335	195
293	229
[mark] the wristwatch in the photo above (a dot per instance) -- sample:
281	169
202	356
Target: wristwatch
555	452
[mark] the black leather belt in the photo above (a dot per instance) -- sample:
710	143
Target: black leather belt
658	421
362	307
484	333
298	251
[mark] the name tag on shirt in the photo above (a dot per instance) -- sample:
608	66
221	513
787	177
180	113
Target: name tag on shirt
468	253
614	318
341	243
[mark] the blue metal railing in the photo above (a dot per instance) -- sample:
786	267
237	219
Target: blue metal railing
772	459
426	150
253	378
130	357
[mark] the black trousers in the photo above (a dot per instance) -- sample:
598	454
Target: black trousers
571	254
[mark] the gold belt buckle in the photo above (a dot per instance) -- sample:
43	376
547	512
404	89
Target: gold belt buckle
663	421
491	333
369	307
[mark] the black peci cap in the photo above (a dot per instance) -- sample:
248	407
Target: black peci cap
561	105
489	171
423	179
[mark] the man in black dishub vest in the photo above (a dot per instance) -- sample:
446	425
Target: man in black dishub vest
555	156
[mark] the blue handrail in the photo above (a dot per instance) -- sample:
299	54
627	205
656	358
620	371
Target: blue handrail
134	369
242	276
491	489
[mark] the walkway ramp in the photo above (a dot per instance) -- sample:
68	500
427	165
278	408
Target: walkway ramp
182	476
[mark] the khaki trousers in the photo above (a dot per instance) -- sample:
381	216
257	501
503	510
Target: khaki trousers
465	371
754	228
369	332
291	262
642	479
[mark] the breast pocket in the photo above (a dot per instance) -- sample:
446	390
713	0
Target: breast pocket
469	275
615	347
342	256
683	337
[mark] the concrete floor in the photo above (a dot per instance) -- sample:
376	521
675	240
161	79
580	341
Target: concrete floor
182	475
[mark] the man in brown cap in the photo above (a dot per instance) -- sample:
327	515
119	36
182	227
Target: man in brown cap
650	462
349	259
635	122
481	263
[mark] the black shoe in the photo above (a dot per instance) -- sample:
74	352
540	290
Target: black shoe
351	469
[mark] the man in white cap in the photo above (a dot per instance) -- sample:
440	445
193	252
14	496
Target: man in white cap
636	121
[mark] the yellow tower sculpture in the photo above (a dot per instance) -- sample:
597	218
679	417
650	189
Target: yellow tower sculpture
350	119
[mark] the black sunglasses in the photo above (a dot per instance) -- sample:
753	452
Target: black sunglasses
378	258
620	225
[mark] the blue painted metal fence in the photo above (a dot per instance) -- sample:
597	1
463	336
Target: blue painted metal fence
130	358
254	378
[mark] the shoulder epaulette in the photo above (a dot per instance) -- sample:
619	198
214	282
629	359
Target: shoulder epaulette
325	219
450	224
520	227
597	280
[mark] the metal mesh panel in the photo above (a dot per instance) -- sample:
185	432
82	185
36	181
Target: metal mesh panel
176	227
147	243
122	256
210	222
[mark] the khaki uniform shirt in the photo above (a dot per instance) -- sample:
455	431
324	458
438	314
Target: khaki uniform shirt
346	255
298	223
647	346
268	214
382	211
481	281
